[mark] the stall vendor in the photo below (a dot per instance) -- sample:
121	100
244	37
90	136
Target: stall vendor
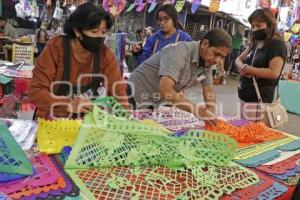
8	29
76	67
179	66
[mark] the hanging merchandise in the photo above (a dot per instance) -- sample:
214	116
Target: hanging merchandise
115	7
195	5
295	28
117	42
153	4
34	9
43	15
264	3
23	9
287	36
58	12
131	7
140	6
169	2
179	5
214	6
294	38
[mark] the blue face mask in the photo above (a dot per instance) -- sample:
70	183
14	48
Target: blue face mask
92	44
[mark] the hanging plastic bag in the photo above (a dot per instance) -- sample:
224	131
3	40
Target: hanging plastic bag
58	12
23	9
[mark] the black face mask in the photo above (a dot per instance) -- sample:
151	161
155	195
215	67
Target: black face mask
260	34
92	44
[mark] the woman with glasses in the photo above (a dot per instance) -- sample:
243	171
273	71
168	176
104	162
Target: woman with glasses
76	67
170	31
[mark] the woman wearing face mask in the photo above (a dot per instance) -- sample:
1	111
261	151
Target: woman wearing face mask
73	67
263	59
170	32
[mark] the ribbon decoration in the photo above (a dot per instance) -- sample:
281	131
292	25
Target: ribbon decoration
153	4
115	7
214	6
141	6
179	5
195	5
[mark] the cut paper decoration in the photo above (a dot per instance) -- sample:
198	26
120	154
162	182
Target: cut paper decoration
70	191
287	36
259	159
239	122
293	180
172	118
201	182
179	5
12	157
112	106
195	5
115	7
140	6
24	131
295	28
48	180
268	155
154	124
132	6
214	6
280	167
267	188
249	134
283	156
153	4
4	177
248	152
287	174
107	141
54	135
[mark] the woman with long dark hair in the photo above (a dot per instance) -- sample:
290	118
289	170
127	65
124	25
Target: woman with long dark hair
170	31
264	59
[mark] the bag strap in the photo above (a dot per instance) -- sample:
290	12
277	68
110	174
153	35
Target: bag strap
157	41
254	80
155	46
177	37
63	89
256	85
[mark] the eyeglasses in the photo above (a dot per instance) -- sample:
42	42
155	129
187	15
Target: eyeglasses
163	19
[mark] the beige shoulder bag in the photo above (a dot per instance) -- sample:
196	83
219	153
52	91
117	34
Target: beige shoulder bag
275	114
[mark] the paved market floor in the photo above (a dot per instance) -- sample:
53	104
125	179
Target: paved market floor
227	100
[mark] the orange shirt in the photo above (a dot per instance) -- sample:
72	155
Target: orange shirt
49	68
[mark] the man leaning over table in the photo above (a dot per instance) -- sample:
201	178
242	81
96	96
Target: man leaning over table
164	76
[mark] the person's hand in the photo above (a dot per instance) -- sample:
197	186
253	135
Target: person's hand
208	115
136	48
80	105
245	72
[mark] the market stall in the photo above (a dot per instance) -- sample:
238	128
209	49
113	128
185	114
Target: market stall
161	154
114	153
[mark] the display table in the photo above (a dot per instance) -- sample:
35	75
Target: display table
269	169
289	91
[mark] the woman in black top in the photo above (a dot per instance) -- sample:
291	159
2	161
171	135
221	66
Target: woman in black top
266	66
